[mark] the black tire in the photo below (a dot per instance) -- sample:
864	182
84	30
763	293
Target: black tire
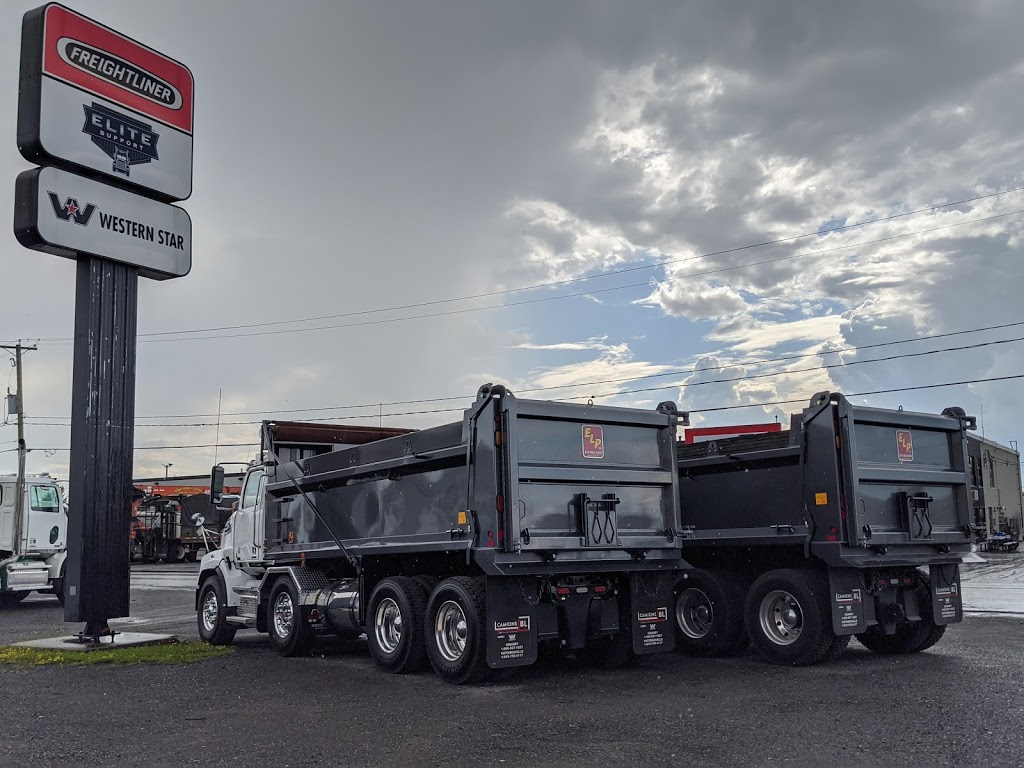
12	598
289	634
837	648
394	625
458	655
213	626
428	582
709	613
796	629
58	583
910	637
190	556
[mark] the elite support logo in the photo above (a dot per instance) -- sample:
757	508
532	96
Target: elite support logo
123	139
70	210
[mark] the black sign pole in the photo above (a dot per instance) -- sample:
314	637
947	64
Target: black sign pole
102	441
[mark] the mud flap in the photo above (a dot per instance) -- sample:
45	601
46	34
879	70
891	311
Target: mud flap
847	596
947	600
511	622
651	612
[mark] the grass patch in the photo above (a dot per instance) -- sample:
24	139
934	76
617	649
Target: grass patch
164	653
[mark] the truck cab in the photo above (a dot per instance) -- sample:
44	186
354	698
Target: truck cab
36	561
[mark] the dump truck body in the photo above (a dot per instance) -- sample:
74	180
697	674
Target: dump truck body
860	496
532	521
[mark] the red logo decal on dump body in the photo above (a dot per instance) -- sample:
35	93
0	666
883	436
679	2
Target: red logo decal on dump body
904	445
593	442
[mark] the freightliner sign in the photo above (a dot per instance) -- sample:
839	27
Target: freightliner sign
93	100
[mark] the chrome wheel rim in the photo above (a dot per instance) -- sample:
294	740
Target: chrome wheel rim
781	617
450	631
284	615
694	613
211	609
387	625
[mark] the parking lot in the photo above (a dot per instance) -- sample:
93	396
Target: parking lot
959	704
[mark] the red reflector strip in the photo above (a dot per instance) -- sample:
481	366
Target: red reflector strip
500	503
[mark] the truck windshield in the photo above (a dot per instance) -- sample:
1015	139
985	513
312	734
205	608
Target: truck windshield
45	498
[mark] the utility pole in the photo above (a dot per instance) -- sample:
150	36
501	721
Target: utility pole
19	488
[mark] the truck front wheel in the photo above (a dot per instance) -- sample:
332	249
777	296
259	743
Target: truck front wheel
709	613
213	625
788	617
288	633
395	621
456	631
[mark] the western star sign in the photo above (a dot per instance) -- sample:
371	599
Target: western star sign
68	215
92	99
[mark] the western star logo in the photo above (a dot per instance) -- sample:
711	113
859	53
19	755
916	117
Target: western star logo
70	210
123	139
116	70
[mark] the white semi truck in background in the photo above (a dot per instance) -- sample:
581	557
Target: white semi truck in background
33	537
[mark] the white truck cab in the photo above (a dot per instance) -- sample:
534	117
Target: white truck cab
36	562
229	589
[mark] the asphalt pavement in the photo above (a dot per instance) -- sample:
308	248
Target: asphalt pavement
960	703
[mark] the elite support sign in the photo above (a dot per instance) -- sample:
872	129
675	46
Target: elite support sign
68	215
92	100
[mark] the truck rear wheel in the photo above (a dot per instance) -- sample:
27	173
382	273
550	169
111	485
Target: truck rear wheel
288	633
395	625
911	637
788	617
709	613
456	630
213	625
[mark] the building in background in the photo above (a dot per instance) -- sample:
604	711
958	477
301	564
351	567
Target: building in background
995	487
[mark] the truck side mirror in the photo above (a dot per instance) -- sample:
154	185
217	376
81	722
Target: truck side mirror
216	483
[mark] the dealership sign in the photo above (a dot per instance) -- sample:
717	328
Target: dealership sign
93	100
68	215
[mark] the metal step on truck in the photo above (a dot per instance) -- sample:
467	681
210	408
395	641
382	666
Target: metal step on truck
850	523
33	537
465	547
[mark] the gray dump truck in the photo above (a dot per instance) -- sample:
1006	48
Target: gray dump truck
852	522
465	547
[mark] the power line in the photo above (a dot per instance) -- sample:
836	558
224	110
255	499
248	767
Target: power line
179	335
684	385
785	358
892	390
814	369
624	270
866	394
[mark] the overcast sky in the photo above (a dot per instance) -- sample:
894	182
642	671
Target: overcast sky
356	158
